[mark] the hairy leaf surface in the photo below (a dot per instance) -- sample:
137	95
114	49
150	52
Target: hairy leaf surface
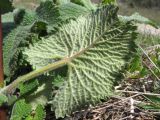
94	48
24	17
55	15
16	38
20	110
11	48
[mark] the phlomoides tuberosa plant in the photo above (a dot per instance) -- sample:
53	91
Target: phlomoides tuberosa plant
89	43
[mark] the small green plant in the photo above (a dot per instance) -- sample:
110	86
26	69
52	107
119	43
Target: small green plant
152	103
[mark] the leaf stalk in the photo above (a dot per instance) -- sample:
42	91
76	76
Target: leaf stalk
8	89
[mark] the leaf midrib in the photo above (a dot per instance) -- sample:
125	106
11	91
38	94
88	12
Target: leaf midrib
92	45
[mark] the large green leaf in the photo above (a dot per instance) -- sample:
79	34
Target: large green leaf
16	39
11	48
94	48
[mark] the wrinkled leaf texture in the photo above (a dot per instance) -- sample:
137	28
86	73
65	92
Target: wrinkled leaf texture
14	42
16	37
94	47
55	15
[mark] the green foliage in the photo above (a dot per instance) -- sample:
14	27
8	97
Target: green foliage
153	99
135	68
27	87
7	18
60	2
24	17
136	64
23	111
12	48
38	114
16	39
3	99
22	90
55	15
43	93
148	40
58	81
137	18
48	15
108	1
94	48
86	3
152	104
156	57
20	110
